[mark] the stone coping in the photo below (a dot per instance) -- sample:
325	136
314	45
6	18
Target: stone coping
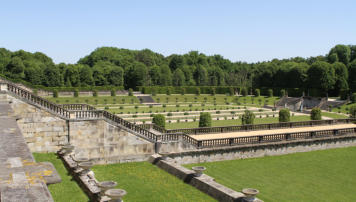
204	183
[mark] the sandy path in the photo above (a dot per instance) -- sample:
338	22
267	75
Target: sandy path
269	132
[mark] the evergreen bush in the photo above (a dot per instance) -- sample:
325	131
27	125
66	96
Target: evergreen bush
205	119
55	93
284	115
159	120
247	118
315	114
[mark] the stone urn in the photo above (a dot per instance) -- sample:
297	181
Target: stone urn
68	149
115	194
85	166
198	170
250	194
106	185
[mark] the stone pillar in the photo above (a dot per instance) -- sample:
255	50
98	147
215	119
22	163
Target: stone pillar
3	87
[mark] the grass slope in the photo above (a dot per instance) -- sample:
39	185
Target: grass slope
327	175
232	122
145	182
66	191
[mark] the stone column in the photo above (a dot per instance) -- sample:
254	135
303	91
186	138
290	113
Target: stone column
3	87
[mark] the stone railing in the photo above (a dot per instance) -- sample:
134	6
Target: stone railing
72	107
273	138
224	129
37	100
80	112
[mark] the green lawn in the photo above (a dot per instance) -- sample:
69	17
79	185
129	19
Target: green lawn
66	191
344	108
146	182
334	116
327	175
232	122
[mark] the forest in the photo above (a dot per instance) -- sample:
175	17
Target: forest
333	73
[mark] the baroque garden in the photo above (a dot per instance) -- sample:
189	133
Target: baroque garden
138	126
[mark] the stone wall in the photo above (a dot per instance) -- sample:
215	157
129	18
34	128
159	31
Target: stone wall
105	143
96	139
43	131
263	149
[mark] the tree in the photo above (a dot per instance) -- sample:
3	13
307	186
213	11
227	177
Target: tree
247	118
76	93
353	98
244	92
340	53
136	75
200	76
116	76
113	92
52	76
159	119
284	115
321	75
130	92
270	93
165	76
55	93
16	68
178	78
352	76
353	111
282	93
315	114
257	92
341	77
205	119
86	76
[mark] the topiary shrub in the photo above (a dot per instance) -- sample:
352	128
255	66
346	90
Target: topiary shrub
197	91
257	92
353	98
95	93
55	93
35	91
76	93
231	91
284	115
130	92
113	92
353	112
248	117
270	93
183	91
205	119
315	114
159	120
168	91
282	93
244	92
213	91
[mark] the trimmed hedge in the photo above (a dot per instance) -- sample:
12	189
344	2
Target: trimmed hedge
188	89
315	114
159	119
284	115
205	119
247	118
353	111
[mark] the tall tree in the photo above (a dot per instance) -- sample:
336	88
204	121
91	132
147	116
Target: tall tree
321	75
352	76
340	53
16	68
201	76
178	78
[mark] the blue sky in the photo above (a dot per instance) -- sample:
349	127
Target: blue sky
238	30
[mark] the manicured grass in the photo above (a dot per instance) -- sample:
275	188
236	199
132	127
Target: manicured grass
146	182
95	100
344	108
232	122
66	191
327	175
334	116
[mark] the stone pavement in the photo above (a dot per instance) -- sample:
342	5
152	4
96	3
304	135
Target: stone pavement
271	132
21	178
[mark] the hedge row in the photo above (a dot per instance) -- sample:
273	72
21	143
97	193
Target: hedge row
188	89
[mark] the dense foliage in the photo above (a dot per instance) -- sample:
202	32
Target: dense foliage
205	119
315	114
159	119
248	117
353	111
284	115
331	74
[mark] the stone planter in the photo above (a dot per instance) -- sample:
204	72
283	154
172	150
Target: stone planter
115	194
198	170
85	166
250	194
106	185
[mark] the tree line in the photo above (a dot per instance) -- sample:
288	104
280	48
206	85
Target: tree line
333	73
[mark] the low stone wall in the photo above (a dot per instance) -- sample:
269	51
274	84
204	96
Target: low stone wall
262	149
204	182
